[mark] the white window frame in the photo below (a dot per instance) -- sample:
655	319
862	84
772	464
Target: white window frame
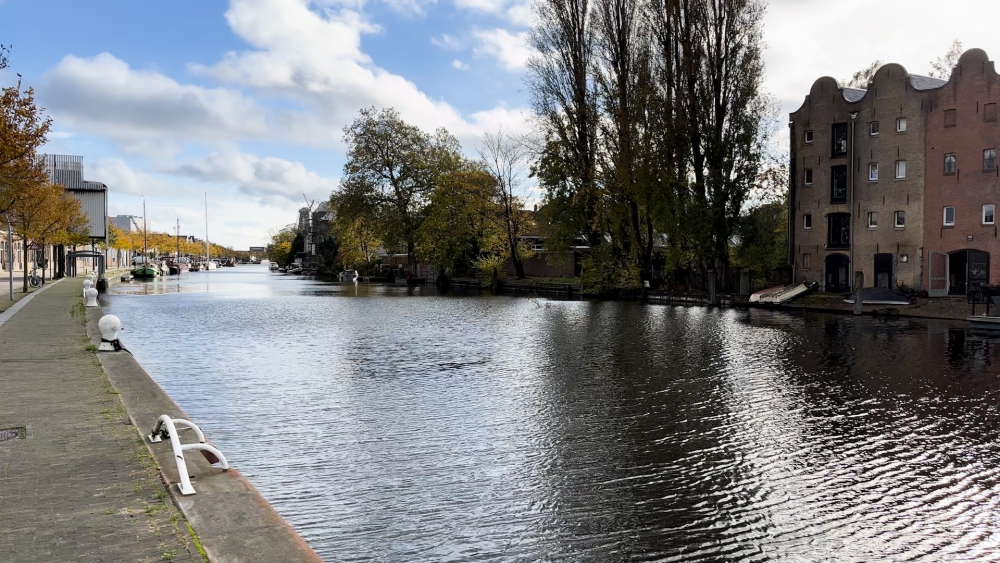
873	128
993	214
807	220
808	139
872	219
898	163
945	217
954	163
807	177
896	222
901	125
873	172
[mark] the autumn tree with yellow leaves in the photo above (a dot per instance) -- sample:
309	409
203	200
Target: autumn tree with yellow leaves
23	129
44	213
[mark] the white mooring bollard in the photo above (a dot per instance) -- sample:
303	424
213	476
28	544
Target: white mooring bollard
87	284
109	325
90	297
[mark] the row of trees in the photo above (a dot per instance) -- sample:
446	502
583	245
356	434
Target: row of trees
654	128
414	193
157	243
38	211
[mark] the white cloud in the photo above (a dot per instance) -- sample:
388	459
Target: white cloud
269	179
520	14
488	6
920	31
459	65
103	95
122	178
447	42
315	58
517	12
510	49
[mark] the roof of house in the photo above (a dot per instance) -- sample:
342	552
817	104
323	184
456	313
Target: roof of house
853	94
917	81
926	82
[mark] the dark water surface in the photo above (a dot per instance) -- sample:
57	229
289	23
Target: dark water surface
387	426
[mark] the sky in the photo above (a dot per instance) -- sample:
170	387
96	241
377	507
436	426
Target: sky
243	102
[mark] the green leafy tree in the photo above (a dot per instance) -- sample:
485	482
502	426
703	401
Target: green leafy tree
462	223
391	170
279	247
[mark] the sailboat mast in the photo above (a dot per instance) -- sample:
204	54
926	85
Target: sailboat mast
178	237
208	252
145	252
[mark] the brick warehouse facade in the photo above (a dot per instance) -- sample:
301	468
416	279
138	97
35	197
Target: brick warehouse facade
961	201
857	181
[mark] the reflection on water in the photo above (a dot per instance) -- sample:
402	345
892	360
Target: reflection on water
394	424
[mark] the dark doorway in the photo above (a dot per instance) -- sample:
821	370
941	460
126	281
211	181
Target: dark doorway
957	265
836	268
967	269
883	271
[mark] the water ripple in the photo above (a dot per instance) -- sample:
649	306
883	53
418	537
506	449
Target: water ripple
394	424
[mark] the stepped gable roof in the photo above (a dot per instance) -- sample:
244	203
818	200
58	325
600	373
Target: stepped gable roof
926	82
853	94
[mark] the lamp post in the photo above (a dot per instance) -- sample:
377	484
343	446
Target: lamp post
10	248
850	164
10	253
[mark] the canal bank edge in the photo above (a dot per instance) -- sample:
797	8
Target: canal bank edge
233	522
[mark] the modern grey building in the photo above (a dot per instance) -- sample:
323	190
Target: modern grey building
67	171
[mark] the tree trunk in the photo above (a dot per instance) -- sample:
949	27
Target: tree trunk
517	262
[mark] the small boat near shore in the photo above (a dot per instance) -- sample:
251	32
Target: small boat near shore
783	294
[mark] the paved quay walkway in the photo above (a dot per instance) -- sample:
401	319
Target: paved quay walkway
77	483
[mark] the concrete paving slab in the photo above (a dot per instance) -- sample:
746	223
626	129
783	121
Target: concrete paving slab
81	486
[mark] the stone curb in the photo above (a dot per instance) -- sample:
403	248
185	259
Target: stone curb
233	521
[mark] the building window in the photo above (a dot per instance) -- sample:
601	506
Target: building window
873	128
990	112
872	219
949	216
900	169
949	163
839	140
809	176
950	117
873	172
839	230
901	125
900	220
838	184
988	213
806	262
990	159
807	221
809	137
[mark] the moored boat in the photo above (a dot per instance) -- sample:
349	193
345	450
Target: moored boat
783	294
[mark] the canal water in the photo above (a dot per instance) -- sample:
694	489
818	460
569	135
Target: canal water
398	425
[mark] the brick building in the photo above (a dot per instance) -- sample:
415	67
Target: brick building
961	199
857	181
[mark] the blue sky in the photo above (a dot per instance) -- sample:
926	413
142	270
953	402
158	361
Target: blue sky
246	99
